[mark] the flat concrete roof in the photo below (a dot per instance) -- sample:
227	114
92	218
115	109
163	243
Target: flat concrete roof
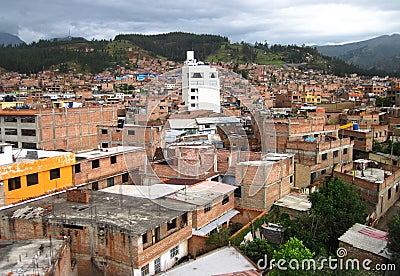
22	155
298	202
150	192
19	256
367	238
257	163
202	193
94	154
373	175
134	215
220	261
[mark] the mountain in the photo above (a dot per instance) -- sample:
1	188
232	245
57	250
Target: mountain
95	56
9	39
381	53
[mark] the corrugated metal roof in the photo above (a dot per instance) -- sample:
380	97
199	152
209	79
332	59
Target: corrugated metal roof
203	231
218	120
182	123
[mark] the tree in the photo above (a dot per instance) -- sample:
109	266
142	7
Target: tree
257	249
383	101
293	252
394	238
218	239
335	208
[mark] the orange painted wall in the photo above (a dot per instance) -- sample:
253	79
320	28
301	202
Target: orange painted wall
42	167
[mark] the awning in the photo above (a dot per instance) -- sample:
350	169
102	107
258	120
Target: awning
215	223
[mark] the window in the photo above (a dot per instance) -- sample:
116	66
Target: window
125	177
144	238
397	188
28	132
324	156
157	265
389	193
131	132
335	153
171	224
323	172
145	270
207	207
95	186
10	119
192	97
238	192
14	183
77	168
104	131
95	163
291	179
13	143
113	159
54	173
174	251
225	200
104	145
10	131
32	179
26	145
197	75
184	219
27	119
110	181
212	75
344	151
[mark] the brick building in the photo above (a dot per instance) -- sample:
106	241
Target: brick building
210	200
70	129
375	182
273	133
316	158
264	181
150	137
98	169
364	138
110	233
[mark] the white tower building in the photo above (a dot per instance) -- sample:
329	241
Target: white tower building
200	85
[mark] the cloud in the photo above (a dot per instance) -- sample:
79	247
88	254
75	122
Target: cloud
285	21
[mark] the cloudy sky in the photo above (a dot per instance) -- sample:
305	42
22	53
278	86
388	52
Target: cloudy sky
275	21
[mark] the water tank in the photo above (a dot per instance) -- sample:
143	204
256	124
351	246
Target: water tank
355	126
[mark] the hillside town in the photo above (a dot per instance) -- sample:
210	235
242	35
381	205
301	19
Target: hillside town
176	168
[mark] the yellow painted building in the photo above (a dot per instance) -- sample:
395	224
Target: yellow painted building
5	105
34	173
311	97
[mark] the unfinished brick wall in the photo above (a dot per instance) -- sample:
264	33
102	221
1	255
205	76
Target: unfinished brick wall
197	245
262	184
80	196
72	129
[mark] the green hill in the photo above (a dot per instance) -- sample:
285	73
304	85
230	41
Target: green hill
382	53
96	56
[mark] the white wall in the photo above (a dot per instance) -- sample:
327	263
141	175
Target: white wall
166	261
